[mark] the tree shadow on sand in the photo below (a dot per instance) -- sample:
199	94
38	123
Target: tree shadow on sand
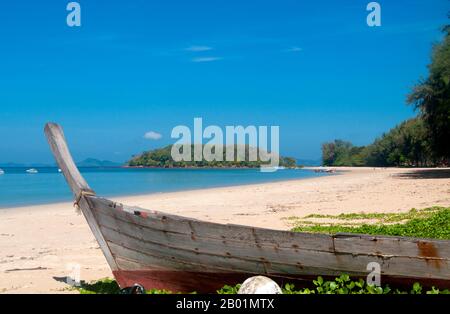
426	174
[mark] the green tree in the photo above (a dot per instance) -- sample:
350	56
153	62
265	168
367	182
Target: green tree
328	154
342	153
405	145
162	157
432	97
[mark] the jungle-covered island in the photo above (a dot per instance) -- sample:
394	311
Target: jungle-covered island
162	158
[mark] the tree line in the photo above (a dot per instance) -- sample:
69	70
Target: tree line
421	141
162	158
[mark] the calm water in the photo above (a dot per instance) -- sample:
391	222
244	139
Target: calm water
18	188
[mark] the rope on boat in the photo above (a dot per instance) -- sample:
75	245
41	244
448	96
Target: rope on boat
83	193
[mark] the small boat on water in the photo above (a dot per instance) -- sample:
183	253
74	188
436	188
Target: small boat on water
32	171
324	170
164	251
2	171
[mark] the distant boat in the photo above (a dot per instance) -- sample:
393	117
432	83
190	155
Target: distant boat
325	170
32	170
2	171
271	168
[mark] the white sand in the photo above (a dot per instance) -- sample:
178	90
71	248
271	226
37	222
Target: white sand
38	243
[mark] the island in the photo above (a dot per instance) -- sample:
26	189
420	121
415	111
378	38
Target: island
162	158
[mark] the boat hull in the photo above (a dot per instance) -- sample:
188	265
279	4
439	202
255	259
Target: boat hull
162	251
178	281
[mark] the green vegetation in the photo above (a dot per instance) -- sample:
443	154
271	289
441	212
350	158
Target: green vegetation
162	157
382	217
422	141
229	289
431	222
405	145
345	285
432	97
340	285
342	153
102	286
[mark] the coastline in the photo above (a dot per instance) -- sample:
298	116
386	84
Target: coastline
56	197
38	243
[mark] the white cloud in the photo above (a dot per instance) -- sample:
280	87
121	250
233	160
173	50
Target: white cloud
198	48
151	135
206	59
294	49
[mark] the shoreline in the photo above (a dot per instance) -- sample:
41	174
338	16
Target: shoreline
38	244
116	196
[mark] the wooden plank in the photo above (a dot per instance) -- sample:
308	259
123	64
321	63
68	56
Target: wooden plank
392	246
129	259
197	245
149	261
195	228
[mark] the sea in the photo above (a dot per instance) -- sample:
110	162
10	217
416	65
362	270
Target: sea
19	188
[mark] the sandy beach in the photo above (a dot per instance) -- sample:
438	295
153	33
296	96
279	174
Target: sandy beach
38	244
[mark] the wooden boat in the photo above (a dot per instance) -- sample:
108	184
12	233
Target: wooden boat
165	251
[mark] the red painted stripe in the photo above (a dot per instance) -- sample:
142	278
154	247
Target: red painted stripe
207	282
178	281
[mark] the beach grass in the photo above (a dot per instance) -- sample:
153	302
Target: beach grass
433	223
340	285
102	286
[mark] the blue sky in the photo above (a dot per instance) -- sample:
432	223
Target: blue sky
312	67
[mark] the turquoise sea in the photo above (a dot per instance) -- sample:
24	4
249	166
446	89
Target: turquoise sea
18	188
